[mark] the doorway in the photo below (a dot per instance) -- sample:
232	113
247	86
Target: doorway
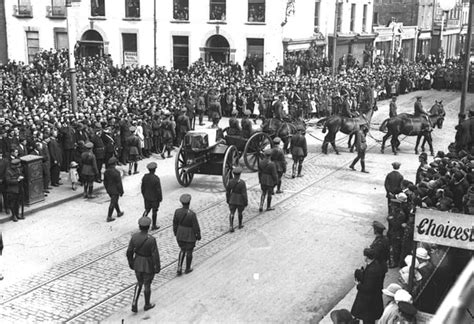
217	49
91	44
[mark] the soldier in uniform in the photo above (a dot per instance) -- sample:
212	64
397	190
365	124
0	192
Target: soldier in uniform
99	150
381	245
361	146
393	183
113	186
278	156
215	110
88	170
419	110
132	142
167	134
13	179
151	191
201	108
109	143
144	258
236	196
156	129
299	151
183	125
278	108
234	125
393	107
246	125
187	231
268	178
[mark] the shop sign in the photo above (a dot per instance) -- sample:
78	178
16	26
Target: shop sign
130	58
442	228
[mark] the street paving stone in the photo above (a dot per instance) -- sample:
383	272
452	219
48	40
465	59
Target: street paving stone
92	285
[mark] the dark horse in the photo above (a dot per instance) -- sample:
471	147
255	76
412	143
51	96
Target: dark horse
282	129
350	126
406	124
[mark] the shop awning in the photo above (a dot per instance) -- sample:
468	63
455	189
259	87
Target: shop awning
301	44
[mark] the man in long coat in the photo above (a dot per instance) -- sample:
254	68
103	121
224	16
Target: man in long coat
56	159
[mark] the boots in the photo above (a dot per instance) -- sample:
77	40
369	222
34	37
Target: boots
231	221
300	168
362	163
269	203
180	263
240	221
189	259
86	190
136	295
91	188
135	168
262	201
148	305
293	171
325	147
109	215
333	144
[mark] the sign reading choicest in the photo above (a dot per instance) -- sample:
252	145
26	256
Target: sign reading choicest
442	228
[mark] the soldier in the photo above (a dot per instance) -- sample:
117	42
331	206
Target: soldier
361	146
393	183
187	231
201	107
133	144
268	178
156	129
215	110
393	107
236	196
419	110
278	156
13	179
183	125
299	151
151	191
246	125
88	170
234	125
278	108
167	134
113	186
109	143
381	245
144	258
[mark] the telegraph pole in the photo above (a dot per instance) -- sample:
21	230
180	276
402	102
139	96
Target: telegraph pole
467	63
72	60
334	40
154	34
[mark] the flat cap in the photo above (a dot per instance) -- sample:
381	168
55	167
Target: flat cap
132	128
151	166
144	221
185	198
277	140
15	161
396	165
237	170
378	225
89	145
112	160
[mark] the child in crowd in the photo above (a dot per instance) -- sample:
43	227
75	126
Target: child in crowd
73	175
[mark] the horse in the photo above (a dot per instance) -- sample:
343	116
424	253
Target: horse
282	129
406	124
349	126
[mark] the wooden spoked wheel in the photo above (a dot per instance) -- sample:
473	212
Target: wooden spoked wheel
231	160
184	178
254	148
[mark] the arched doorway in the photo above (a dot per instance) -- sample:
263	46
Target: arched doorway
218	49
91	44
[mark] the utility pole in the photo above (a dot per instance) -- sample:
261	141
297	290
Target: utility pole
467	63
154	34
334	39
72	60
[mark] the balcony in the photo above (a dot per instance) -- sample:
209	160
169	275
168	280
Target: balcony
56	12
23	11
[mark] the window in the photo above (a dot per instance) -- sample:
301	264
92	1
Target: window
181	9
23	9
32	44
180	52
364	19
339	17
57	9
129	46
60	40
353	14
375	18
255	50
97	8
217	10
316	13
256	11
132	8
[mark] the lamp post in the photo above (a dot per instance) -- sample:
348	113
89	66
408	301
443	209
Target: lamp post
154	34
334	38
467	61
72	61
446	6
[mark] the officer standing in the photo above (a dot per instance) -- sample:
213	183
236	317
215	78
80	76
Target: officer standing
13	179
361	146
88	170
151	191
393	183
393	108
246	125
183	125
381	245
113	186
132	142
168	134
268	178
278	156
236	195
187	231
144	258
299	150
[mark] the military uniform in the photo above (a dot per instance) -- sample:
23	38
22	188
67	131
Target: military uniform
113	186
361	146
14	190
392	109
151	192
183	126
88	170
167	136
299	150
278	156
268	178
234	127
143	257
236	197
246	127
419	110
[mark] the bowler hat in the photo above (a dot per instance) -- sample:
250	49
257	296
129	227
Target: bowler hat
144	221
185	198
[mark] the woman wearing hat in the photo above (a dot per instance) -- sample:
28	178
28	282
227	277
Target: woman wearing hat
391	308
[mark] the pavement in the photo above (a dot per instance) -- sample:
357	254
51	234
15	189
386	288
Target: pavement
294	264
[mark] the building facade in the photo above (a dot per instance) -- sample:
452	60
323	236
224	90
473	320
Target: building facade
185	30
446	36
3	35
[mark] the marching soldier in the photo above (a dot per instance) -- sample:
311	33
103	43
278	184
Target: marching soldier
13	179
144	258
88	170
246	125
201	107
299	151
187	231
113	186
183	125
278	156
152	194
167	134
132	142
236	195
215	110
361	146
268	178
